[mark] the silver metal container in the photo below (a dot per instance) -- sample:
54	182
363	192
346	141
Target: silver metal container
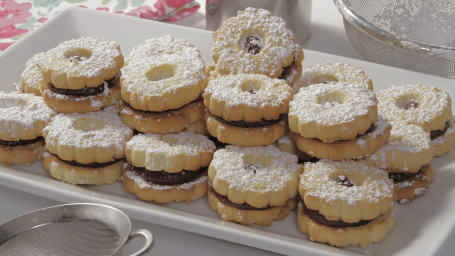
70	229
418	35
297	13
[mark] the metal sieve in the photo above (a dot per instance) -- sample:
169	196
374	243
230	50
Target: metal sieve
70	229
414	34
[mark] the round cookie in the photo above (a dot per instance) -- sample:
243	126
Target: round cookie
248	97
253	184
162	122
331	112
89	142
22	119
362	145
167	168
31	77
334	72
164	45
408	149
159	82
345	203
79	63
81	75
421	105
256	42
247	109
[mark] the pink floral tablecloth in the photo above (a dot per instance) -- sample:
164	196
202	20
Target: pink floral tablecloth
19	17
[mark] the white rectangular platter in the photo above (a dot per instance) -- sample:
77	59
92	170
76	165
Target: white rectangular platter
423	227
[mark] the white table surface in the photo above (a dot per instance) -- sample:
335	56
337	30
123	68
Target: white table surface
326	31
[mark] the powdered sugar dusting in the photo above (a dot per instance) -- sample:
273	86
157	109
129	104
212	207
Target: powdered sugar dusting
231	90
432	103
332	103
100	129
259	169
279	44
333	72
102	57
370	184
22	112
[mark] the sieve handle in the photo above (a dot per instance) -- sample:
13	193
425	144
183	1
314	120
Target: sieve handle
148	240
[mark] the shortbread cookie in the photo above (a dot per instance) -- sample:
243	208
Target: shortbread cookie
82	174
167	168
443	140
421	105
408	149
246	134
81	75
409	186
162	122
334	72
92	144
345	203
247	97
247	109
164	45
321	230
71	101
22	119
31	76
95	137
256	184
331	112
362	145
163	81
81	63
256	42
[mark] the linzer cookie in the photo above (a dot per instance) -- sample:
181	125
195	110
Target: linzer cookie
247	109
253	184
334	72
161	86
167	168
31	76
336	121
345	203
256	42
22	119
407	157
81	75
421	105
86	148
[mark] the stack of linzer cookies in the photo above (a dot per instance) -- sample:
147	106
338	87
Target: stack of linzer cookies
172	129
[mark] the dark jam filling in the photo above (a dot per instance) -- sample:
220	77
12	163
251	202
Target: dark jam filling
319	218
166	178
225	200
165	111
247	124
16	143
90	165
287	70
86	91
252	44
400	176
371	129
437	133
